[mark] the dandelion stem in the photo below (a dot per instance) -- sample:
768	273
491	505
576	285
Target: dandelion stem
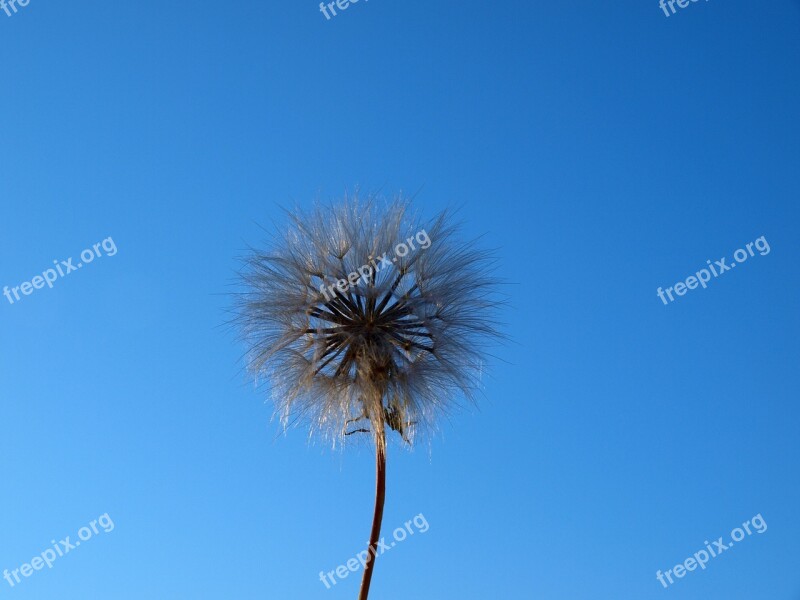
380	496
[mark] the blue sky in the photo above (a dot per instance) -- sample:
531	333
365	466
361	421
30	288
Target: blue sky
604	149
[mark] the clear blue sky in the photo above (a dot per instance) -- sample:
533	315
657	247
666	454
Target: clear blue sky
605	150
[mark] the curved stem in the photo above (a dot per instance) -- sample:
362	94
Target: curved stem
377	519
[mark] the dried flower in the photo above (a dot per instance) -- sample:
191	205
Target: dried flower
362	318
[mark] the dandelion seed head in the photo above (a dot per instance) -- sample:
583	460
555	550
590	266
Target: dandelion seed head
359	314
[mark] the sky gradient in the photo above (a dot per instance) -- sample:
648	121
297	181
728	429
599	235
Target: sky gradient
603	150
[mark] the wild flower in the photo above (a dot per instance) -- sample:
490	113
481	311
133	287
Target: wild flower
393	347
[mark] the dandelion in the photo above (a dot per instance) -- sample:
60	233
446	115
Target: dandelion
363	320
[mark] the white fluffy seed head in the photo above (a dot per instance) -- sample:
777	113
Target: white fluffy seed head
396	344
